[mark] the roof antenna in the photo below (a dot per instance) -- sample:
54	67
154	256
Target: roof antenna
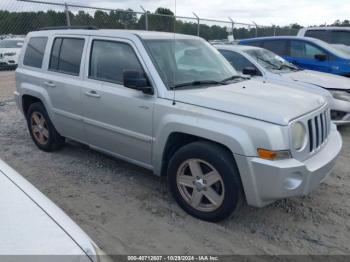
174	76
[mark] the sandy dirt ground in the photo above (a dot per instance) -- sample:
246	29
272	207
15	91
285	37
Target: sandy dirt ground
126	210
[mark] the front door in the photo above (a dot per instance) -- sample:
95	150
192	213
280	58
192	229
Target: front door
116	119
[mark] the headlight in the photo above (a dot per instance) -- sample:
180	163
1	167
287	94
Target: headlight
341	95
9	54
298	136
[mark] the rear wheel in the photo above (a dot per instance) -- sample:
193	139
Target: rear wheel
204	180
42	130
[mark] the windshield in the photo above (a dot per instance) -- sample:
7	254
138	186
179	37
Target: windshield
271	61
11	44
184	61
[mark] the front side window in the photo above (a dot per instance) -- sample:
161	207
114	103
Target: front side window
184	61
66	55
277	46
109	60
305	50
35	52
238	61
271	61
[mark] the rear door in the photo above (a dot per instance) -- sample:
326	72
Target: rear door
63	82
117	120
302	53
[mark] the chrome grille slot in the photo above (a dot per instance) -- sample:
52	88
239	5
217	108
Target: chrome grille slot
318	129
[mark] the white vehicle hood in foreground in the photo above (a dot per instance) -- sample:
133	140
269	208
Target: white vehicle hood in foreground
30	224
255	99
324	80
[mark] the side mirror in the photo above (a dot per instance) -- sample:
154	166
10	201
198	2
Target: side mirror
136	80
252	71
321	57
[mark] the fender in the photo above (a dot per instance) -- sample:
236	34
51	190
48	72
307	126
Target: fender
223	133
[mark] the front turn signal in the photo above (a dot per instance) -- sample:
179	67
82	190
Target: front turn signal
273	155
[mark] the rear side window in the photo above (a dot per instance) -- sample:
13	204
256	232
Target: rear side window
66	55
319	34
238	61
35	52
109	60
279	47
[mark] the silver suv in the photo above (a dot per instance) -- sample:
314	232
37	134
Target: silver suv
172	103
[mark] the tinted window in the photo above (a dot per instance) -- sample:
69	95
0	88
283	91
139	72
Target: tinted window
340	37
238	61
35	52
304	50
319	34
109	60
66	55
279	47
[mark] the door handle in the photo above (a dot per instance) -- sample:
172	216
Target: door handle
92	93
49	83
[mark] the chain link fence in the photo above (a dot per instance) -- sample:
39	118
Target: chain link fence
18	17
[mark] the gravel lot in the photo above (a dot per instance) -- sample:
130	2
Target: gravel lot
126	210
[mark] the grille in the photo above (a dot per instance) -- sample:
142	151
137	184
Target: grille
319	128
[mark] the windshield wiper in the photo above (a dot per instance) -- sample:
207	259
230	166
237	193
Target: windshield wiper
268	62
234	77
199	83
289	66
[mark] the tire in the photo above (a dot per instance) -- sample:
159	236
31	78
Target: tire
38	122
215	164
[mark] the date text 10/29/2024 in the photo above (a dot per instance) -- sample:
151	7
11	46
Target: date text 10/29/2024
173	258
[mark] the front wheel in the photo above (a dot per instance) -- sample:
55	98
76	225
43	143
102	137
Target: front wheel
204	180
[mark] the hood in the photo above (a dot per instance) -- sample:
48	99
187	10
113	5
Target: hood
31	224
324	80
255	99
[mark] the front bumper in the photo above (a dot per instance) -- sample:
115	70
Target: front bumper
11	61
341	108
266	181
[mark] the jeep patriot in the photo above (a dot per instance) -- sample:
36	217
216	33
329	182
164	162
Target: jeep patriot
172	104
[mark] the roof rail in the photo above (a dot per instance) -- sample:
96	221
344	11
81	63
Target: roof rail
89	27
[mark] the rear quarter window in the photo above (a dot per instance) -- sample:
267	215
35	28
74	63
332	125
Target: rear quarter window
34	53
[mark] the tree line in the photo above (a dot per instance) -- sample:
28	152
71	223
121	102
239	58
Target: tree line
20	23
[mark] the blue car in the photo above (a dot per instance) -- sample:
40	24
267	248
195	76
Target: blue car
306	53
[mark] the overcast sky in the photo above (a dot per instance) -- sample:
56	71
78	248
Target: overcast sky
265	12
